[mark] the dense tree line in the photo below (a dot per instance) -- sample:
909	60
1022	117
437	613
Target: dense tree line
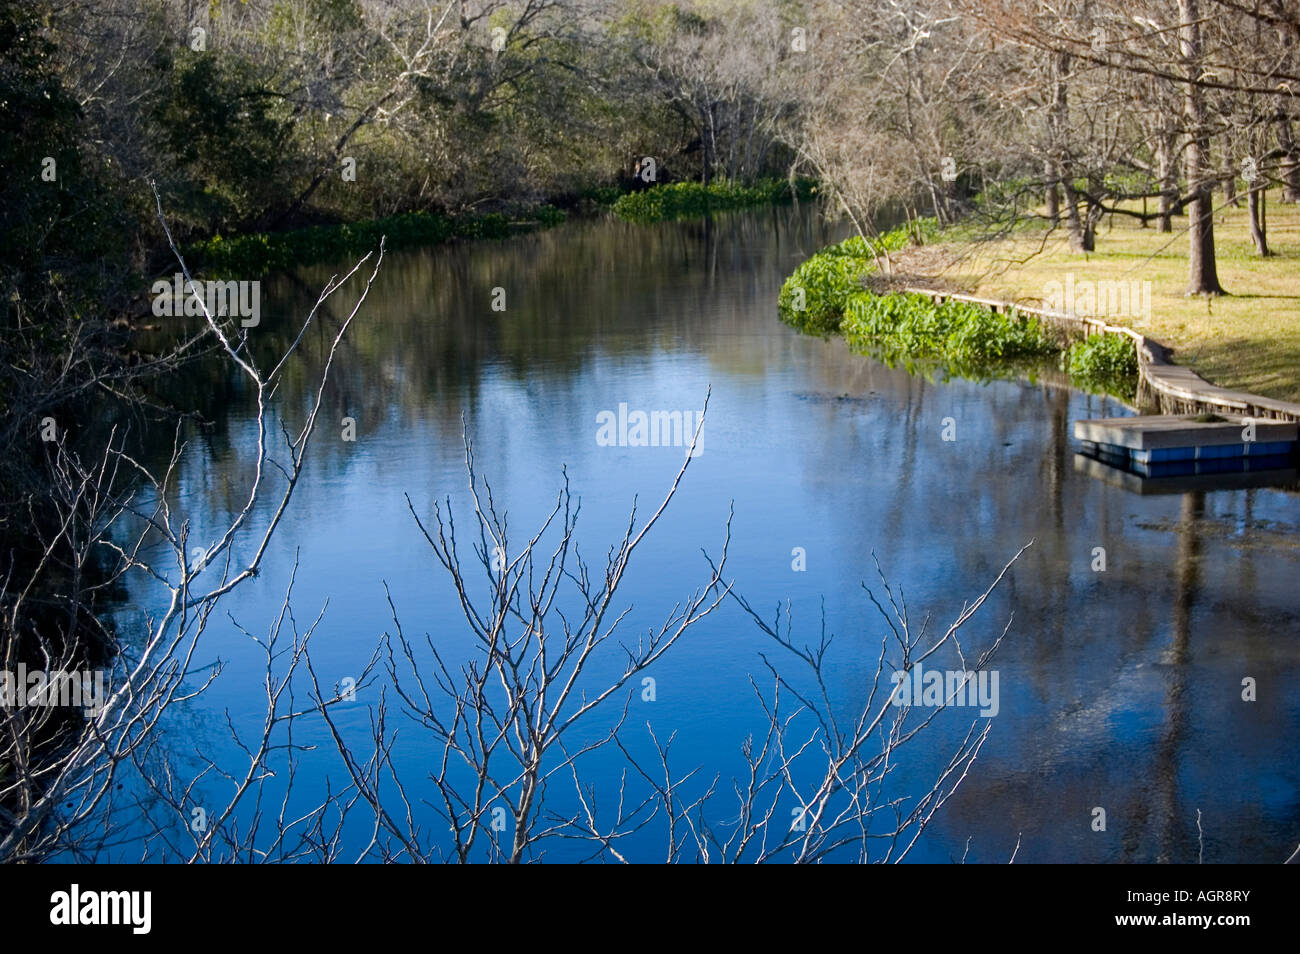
254	115
1064	112
263	115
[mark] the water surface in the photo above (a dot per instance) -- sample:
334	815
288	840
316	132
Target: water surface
1119	689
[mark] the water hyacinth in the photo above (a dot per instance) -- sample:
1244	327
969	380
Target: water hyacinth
1106	364
679	200
826	295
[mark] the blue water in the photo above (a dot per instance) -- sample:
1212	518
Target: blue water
1119	688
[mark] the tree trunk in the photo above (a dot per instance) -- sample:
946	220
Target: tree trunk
1062	167
1053	193
1290	162
1090	223
936	200
1080	235
1168	180
707	143
1230	189
1203	276
1253	200
950	199
731	150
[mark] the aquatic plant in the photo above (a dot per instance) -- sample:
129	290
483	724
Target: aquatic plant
1106	364
680	200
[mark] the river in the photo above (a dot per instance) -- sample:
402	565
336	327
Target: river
1120	688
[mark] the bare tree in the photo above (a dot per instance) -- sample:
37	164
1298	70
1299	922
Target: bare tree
1203	277
60	772
519	719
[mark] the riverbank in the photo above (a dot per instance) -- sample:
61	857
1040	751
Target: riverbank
1238	352
855	289
1248	340
261	253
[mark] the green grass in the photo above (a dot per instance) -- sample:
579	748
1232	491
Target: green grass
952	332
814	298
1247	340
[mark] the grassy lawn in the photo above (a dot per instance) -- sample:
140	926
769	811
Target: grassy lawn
1248	339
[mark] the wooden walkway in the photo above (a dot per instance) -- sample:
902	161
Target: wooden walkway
1171	387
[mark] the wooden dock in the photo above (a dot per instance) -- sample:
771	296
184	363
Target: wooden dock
1167	437
1180	452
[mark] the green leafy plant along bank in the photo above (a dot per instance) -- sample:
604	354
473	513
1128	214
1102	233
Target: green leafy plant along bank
680	200
825	295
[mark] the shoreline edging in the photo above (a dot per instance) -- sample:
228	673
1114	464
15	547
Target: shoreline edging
1173	388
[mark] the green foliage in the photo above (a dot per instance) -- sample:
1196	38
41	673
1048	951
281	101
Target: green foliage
681	200
1001	194
1106	364
65	222
916	232
549	215
1119	181
258	254
825	294
321	15
227	135
602	195
824	283
63	231
959	334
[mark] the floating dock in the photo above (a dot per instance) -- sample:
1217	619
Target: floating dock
1186	445
1134	482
